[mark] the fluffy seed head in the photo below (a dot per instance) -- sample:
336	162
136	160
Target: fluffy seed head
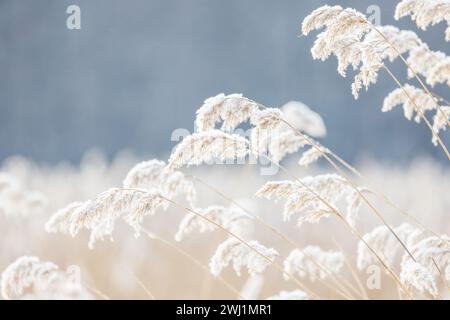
425	13
314	263
99	215
205	147
384	243
232	109
413	100
240	255
311	196
30	278
232	218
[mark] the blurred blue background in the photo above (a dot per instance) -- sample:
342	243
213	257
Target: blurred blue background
138	69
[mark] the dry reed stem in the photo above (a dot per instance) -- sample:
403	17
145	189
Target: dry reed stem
419	111
352	229
354	273
410	68
385	198
366	22
245	243
319	148
97	292
143	286
337	280
187	255
395	277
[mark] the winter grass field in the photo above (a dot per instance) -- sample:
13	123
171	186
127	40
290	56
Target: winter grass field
251	205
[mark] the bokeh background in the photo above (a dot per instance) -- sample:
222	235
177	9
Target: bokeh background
138	69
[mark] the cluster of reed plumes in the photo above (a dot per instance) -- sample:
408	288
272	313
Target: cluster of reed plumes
358	43
406	259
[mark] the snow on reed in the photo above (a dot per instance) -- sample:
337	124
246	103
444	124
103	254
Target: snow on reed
433	65
357	43
231	218
415	275
30	278
331	188
440	121
431	265
154	175
416	97
313	263
417	101
382	241
269	133
425	13
99	215
235	252
353	40
232	109
207	147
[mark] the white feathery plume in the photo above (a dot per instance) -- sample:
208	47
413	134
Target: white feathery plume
270	133
290	295
232	109
399	42
312	155
283	143
425	13
145	175
320	17
205	147
415	275
235	252
433	253
267	119
330	187
344	29
378	45
30	278
154	175
416	98
99	215
209	113
440	120
354	41
16	200
382	241
433	65
232	219
313	262
302	118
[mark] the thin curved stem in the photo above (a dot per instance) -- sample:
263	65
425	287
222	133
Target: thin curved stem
409	66
419	111
275	264
283	237
97	292
153	236
340	216
144	287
